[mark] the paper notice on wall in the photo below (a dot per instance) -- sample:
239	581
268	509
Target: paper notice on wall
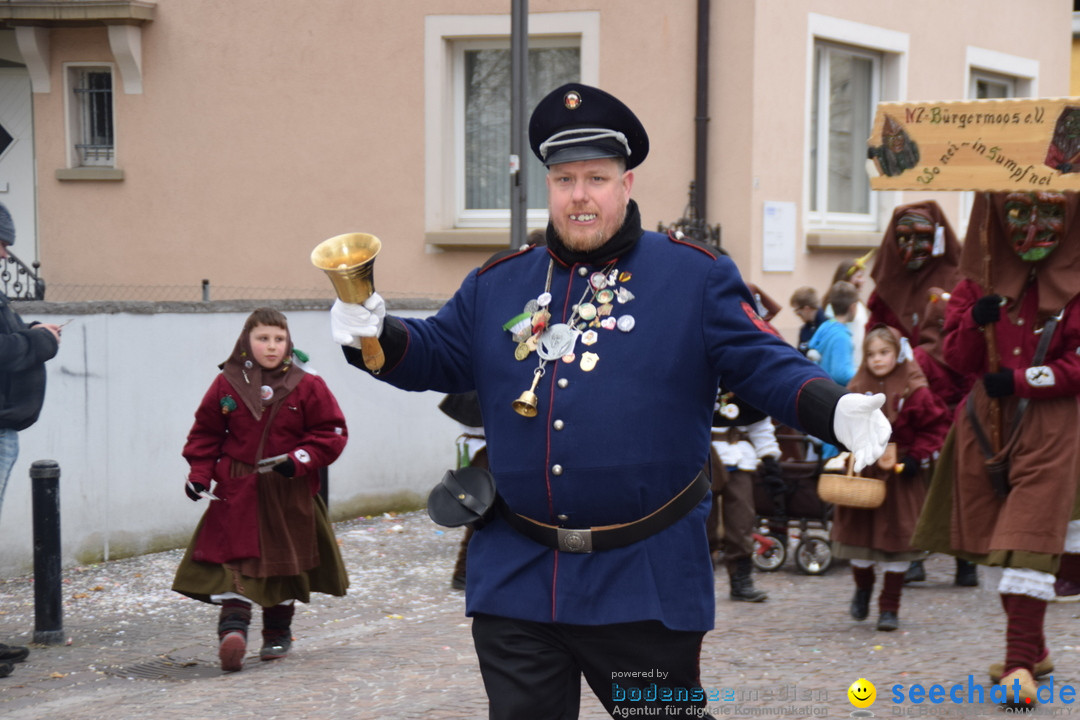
1022	145
778	237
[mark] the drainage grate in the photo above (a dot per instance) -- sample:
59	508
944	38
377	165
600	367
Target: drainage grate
165	668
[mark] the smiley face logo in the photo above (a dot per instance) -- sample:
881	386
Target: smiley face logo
862	693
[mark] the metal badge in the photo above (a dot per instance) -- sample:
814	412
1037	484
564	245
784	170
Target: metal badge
598	280
572	100
625	323
266	392
588	361
589	337
574	541
623	295
532	306
556	341
608	323
521	351
586	311
605	296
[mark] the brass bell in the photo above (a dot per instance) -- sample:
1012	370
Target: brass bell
527	401
349	261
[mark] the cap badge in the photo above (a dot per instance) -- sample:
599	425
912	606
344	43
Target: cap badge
572	100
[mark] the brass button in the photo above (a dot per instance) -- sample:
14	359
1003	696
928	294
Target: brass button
563	383
556	469
558	424
583	271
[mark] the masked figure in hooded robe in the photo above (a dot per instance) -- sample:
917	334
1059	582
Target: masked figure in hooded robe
1017	519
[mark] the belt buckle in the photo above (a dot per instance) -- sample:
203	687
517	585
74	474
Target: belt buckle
574	541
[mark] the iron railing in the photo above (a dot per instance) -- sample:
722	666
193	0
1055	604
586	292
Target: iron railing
19	282
693	225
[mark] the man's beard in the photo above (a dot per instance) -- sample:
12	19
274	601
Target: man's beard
593	240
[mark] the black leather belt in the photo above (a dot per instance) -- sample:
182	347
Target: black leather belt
608	537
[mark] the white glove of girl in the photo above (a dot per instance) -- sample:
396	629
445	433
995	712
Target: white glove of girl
350	321
861	426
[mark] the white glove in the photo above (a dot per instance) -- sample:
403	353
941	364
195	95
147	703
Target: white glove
861	426
349	321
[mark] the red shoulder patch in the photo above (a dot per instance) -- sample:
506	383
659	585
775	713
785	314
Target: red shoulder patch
757	319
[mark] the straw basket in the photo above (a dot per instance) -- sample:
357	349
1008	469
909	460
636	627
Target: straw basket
851	490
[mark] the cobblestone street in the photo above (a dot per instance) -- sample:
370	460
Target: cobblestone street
399	646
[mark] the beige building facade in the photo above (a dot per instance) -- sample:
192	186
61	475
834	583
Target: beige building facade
150	146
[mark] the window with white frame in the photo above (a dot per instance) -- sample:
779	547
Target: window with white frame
851	67
482	123
467	98
847	88
994	75
991	86
90	116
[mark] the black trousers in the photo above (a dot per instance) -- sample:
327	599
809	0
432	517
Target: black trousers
534	670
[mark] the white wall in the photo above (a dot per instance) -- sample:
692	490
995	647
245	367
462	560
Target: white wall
120	400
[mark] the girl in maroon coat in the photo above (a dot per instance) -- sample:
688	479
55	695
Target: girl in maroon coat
262	432
882	536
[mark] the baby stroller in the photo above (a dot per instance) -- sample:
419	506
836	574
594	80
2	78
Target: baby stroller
794	514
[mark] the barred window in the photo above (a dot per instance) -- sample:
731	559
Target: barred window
93	117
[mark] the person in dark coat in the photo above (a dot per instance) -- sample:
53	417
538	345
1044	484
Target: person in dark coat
24	350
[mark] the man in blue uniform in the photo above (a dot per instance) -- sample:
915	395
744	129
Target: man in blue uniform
596	361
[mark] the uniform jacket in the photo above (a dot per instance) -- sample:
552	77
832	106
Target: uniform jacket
308	420
23	352
610	444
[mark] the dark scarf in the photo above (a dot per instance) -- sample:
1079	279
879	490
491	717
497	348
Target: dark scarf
620	243
248	378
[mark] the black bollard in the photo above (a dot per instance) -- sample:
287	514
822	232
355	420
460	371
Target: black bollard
48	611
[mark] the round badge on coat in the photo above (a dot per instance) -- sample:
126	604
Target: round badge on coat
266	392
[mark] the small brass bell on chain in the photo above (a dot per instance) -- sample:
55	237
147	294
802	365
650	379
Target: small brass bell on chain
526	403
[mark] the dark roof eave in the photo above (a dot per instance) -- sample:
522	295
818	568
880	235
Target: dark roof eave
75	13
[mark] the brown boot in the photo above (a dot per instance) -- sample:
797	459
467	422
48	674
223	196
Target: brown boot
864	587
889	601
1022	696
232	634
740	574
1042	668
277	631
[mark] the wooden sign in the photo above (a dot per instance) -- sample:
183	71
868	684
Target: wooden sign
992	145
